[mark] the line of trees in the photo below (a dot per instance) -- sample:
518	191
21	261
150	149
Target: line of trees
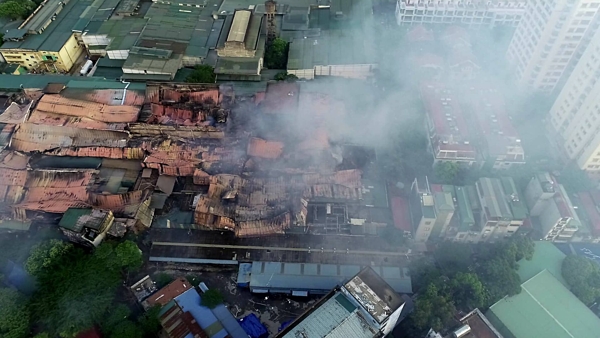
583	276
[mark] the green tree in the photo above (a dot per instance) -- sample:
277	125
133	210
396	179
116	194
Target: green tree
42	335
16	9
583	276
284	76
115	315
14	316
162	279
499	278
276	54
194	280
467	291
212	298
76	288
202	74
45	254
126	329
446	172
453	257
149	321
129	255
433	309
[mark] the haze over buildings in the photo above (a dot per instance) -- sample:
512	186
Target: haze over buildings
550	41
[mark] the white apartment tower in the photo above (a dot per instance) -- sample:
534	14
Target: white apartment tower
575	115
473	13
550	39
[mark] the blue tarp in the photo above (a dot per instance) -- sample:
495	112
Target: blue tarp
253	327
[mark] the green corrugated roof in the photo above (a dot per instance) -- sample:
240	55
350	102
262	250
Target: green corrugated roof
56	34
517	205
546	257
12	225
467	220
342	47
544	308
14	82
70	217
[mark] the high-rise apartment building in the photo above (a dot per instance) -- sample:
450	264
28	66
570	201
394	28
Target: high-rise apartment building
575	115
550	40
472	13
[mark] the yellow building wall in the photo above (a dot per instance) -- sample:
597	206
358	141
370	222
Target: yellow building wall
65	58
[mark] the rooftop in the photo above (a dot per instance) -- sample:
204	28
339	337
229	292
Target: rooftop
168	293
374	294
330	48
311	276
494	199
75	219
544	308
56	34
335	317
545	257
591	209
447	124
515	202
465	212
479	326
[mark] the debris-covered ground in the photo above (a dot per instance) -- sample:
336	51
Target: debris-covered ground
272	310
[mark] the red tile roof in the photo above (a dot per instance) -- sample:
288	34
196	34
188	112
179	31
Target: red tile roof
265	149
400	213
168	293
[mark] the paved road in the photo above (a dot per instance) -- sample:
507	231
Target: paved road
273	248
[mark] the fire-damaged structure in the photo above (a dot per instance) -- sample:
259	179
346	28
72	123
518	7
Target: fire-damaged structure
247	166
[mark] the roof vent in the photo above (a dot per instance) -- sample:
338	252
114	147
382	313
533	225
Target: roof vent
462	331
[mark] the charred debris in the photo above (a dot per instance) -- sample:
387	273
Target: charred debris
238	163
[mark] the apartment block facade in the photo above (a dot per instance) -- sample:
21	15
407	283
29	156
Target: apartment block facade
550	40
575	115
475	13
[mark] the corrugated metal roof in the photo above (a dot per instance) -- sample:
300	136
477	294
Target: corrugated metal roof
32	137
239	26
319	277
544	308
57	104
545	257
265	149
230	324
190	302
168	293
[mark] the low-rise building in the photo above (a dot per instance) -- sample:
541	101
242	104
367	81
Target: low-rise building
550	203
544	308
463	228
449	137
331	53
422	209
365	306
502	211
86	226
477	13
304	279
45	42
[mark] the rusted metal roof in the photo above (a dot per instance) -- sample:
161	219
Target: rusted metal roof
58	104
266	149
13	160
201	177
112	97
272	226
281	97
13	177
118	201
32	137
51	119
184	132
103	152
168	293
15	114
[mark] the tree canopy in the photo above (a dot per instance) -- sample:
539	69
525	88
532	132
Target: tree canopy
465	277
202	74
76	288
16	9
276	54
14	316
212	298
284	76
583	276
446	172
